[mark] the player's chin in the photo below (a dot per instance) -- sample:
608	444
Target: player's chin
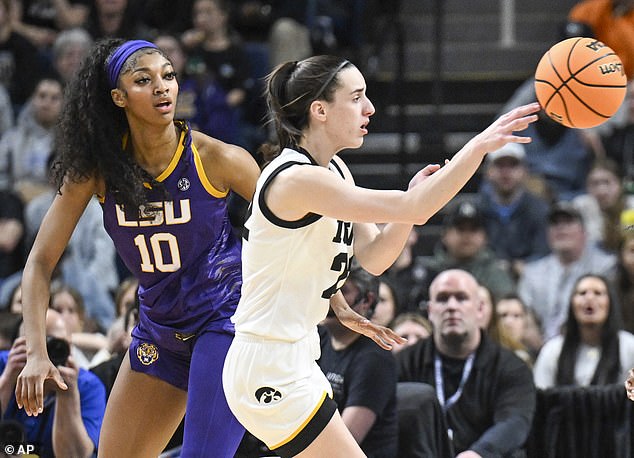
357	143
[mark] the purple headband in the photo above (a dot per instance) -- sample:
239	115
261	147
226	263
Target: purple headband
120	55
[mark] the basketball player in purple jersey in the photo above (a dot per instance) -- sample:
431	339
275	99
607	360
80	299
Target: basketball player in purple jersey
163	188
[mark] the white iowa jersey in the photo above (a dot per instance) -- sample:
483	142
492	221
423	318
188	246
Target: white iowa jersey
290	269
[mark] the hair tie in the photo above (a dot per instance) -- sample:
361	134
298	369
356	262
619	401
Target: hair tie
115	62
330	78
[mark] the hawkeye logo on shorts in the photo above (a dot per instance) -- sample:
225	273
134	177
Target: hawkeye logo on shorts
147	353
267	395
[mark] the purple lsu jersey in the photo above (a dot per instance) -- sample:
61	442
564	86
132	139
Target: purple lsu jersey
184	253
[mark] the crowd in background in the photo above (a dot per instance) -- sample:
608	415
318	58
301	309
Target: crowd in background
548	236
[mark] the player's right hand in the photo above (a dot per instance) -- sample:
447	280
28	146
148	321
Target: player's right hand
29	388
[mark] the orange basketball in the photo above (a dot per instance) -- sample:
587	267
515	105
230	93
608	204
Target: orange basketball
580	82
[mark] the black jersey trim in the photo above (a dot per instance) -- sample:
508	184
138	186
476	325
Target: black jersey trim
335	165
268	214
310	431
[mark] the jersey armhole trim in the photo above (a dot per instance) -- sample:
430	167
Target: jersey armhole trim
269	215
200	170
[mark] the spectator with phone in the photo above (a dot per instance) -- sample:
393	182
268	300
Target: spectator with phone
71	418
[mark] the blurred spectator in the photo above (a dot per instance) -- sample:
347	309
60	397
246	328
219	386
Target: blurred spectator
313	26
533	335
612	22
20	66
41	20
413	326
514	217
546	284
511	315
603	204
388	305
126	295
14	303
12	247
463	245
407	275
116	19
625	279
201	100
69	49
215	49
84	341
619	140
485	391
26	149
168	16
592	350
70	423
6	111
362	374
487	317
490	324
9	328
119	336
88	263
559	155
288	25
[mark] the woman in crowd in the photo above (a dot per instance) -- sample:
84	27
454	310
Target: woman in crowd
593	350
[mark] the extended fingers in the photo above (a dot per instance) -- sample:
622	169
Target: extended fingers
30	395
523	110
395	337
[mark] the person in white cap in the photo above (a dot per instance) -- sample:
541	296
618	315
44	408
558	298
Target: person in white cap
514	217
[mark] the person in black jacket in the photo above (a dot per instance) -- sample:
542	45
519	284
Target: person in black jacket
486	393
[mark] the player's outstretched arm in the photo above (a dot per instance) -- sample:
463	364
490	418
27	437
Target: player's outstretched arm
52	238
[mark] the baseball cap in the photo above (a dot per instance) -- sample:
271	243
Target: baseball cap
563	209
465	212
513	150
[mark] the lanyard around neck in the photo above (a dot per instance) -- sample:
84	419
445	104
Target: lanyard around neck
440	385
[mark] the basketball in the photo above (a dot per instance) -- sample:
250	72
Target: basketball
580	82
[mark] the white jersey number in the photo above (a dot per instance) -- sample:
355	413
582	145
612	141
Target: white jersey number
156	240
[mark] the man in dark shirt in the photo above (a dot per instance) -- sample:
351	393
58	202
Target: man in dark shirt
362	375
485	391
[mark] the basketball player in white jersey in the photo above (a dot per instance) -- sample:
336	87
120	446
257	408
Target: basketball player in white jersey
306	222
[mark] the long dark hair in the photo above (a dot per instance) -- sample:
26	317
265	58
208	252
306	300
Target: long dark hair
91	130
609	366
290	89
